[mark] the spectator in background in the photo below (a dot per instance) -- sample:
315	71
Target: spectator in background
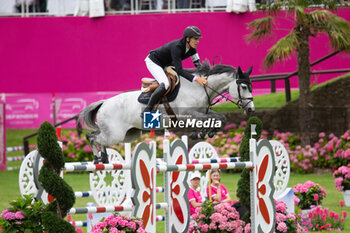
31	6
218	192
194	196
184	4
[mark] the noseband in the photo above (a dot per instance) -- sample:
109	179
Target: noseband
239	103
250	88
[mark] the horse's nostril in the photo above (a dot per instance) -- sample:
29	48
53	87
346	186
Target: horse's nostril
250	110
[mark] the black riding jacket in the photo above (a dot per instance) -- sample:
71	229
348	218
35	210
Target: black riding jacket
173	53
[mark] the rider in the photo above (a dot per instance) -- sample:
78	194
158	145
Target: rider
173	53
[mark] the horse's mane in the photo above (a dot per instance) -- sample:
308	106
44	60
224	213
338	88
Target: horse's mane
206	70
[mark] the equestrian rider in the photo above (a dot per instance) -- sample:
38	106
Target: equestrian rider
173	53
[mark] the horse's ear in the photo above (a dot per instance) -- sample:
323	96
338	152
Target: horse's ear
240	73
249	71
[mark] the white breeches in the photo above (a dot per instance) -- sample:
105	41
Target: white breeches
157	72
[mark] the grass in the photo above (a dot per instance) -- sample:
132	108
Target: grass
9	190
272	100
267	101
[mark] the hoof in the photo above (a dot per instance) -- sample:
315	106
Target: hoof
202	134
212	133
104	157
104	160
194	135
96	160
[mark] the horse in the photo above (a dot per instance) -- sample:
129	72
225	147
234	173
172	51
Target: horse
117	119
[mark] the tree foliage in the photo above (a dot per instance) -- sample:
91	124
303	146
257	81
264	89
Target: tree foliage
309	18
53	184
243	190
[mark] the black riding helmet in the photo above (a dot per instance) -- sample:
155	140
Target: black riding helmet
192	31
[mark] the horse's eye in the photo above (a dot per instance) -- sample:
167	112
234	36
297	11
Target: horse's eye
244	87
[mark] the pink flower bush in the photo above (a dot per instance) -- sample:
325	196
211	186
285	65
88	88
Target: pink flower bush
342	178
118	224
76	148
220	218
319	219
309	194
285	223
227	143
342	151
23	215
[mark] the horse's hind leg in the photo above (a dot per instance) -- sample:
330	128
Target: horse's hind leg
91	138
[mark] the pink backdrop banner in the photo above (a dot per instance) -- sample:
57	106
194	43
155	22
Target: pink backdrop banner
31	109
79	54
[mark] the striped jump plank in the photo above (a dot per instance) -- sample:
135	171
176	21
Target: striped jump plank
15	158
218	160
208	160
83	194
79	223
162	206
99	209
18	148
196	167
95	167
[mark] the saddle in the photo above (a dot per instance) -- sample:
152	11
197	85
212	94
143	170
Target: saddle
150	84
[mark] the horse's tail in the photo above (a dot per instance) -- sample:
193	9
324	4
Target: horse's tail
88	115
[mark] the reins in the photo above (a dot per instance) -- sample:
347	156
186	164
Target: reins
238	103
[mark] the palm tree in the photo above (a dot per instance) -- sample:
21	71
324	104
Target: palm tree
308	21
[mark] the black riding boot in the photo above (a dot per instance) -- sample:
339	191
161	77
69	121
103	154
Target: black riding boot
155	97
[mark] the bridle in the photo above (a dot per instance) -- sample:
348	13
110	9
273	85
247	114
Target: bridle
240	99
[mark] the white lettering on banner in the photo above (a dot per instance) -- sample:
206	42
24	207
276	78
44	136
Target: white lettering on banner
22	116
192	123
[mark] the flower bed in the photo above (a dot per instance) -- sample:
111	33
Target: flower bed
219	218
309	194
116	223
24	215
342	178
319	219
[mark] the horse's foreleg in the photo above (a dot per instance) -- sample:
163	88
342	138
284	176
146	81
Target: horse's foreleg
221	118
198	132
204	131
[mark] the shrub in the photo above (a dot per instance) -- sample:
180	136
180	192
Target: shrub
219	218
116	223
341	151
319	219
52	217
302	159
309	194
285	223
342	178
75	148
24	215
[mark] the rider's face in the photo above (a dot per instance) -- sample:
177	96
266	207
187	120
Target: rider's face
193	42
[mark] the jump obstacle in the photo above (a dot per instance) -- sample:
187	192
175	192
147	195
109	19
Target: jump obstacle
143	169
